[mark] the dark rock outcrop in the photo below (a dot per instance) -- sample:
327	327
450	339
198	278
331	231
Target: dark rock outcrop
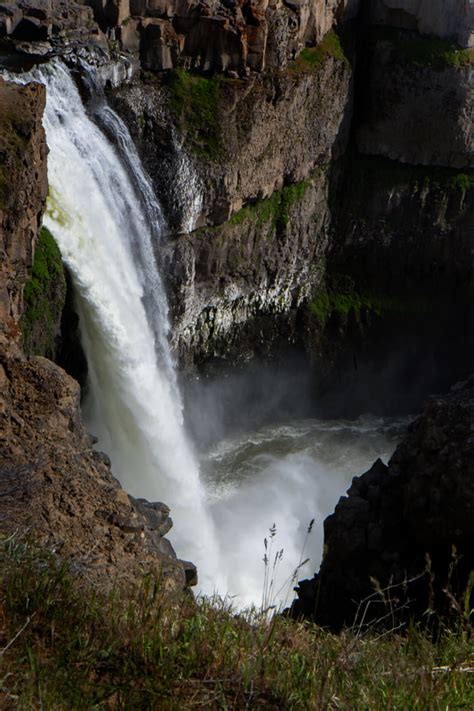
396	518
419	106
23	189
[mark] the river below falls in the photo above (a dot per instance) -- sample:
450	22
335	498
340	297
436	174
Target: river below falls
284	475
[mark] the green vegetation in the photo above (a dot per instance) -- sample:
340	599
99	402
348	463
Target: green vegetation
311	58
275	208
44	296
195	103
12	148
387	173
427	51
461	182
64	646
328	302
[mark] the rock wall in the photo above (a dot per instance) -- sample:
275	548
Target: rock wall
441	18
213	145
23	188
242	171
399	523
56	487
419	106
236	289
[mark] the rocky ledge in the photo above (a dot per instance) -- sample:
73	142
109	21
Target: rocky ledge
57	489
410	520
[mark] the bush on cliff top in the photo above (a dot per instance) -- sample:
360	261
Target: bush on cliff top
64	646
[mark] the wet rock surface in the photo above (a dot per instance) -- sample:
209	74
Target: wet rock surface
400	520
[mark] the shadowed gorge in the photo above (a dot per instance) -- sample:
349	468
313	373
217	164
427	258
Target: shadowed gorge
237	261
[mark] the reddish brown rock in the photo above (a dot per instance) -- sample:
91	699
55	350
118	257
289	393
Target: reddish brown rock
23	189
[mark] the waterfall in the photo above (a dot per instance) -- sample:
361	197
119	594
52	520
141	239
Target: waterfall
104	215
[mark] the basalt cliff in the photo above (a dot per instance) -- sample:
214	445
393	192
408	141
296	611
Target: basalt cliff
315	164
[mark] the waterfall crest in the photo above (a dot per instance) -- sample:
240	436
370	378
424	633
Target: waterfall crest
105	218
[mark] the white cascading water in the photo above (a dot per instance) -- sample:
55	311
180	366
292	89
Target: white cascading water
106	221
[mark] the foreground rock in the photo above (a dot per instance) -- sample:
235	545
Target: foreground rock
411	519
55	487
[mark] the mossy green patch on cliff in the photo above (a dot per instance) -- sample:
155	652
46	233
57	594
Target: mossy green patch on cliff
44	297
275	209
387	173
427	51
462	182
195	102
311	58
342	303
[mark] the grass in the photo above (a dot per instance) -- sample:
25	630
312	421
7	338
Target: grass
427	51
65	646
43	297
311	58
194	100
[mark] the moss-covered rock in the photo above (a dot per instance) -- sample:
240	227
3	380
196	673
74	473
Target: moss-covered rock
44	298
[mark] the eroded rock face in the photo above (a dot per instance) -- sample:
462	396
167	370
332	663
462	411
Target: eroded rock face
244	141
394	516
23	189
55	486
236	290
240	37
442	18
41	21
417	113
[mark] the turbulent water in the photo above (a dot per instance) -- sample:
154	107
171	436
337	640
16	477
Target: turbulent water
286	475
105	218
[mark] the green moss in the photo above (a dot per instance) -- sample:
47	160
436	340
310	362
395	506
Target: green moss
275	209
43	296
427	51
326	303
195	102
461	182
311	58
386	173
